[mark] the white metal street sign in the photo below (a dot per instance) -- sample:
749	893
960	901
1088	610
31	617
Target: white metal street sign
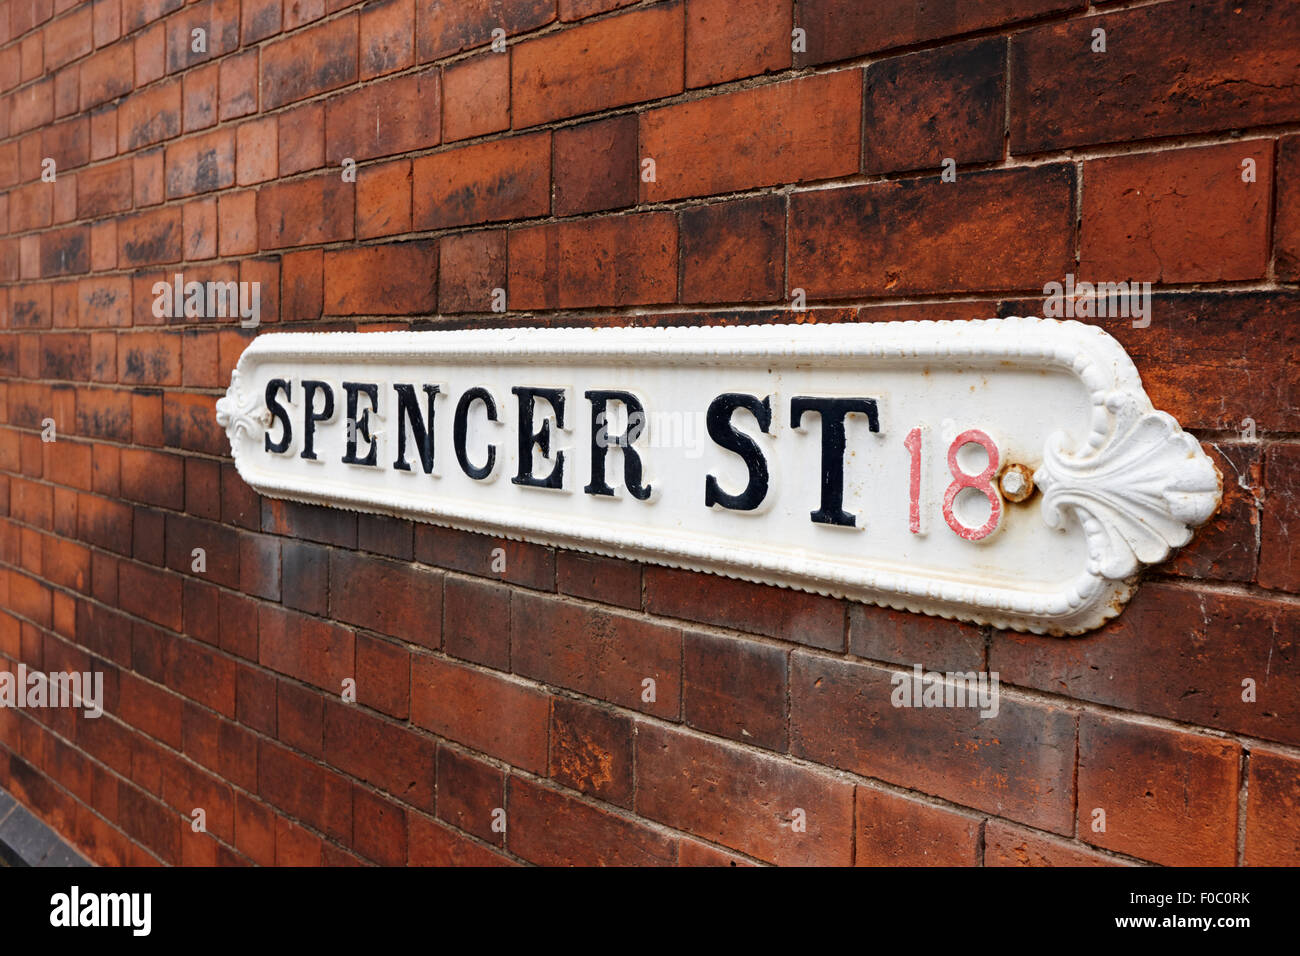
1008	472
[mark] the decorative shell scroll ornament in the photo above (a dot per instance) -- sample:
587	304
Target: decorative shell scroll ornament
1138	496
1060	403
238	413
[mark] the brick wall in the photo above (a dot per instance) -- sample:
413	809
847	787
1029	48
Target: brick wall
520	689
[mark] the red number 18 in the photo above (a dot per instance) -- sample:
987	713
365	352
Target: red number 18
981	482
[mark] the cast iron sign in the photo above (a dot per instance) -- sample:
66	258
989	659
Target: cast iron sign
1008	472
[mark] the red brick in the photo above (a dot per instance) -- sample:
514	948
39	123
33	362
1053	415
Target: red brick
300	718
1247	340
65	251
381	534
735	688
379	828
604	655
477	93
150	594
219	19
329	52
254	828
296	846
432	844
500	717
526	564
149	116
280	221
31	106
471	266
1018	763
107	75
554	829
399	279
198	99
1179	215
387	37
383	676
1226	547
311	793
259	19
1272	821
381	753
1008	845
384	199
630	58
623	260
471	795
147	175
477	622
150	237
150	54
299	12
318	652
103	189
312	522
442	29
1168	796
1279	559
591	750
68	38
993	230
797	131
409	604
734	251
301	285
305	577
136	15
398	115
67	143
892	830
188	668
729	42
302	138
238	223
758	609
596	578
900	637
1227	65
1205	645
31	207
485	182
149	358
842	29
743	799
201	163
596	165
925	108
150	823
237	86
256	151
1286	226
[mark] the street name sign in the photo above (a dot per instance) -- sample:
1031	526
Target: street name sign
1009	472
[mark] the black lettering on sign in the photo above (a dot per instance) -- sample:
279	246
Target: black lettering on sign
359	428
310	416
279	412
724	434
408	411
833	412
460	431
601	439
528	396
